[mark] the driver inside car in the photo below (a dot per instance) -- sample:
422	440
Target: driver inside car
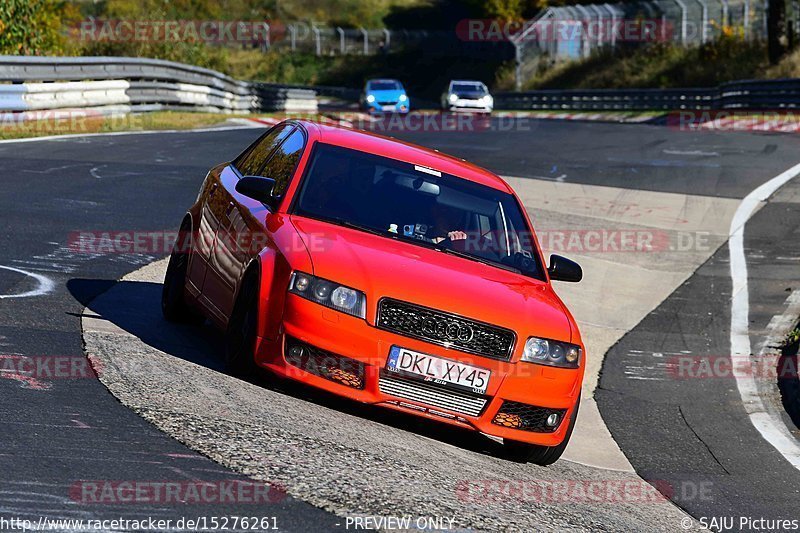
447	222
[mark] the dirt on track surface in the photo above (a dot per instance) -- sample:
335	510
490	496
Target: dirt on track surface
344	457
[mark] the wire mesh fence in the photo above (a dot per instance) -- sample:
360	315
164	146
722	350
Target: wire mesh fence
334	41
323	40
574	32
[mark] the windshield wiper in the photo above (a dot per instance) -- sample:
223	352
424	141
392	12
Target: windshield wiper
479	259
353	225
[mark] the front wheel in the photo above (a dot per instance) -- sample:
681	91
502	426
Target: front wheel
240	337
540	455
173	295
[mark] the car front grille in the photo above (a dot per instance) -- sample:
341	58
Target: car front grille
518	415
445	329
433	395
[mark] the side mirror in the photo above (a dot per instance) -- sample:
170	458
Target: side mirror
258	188
563	269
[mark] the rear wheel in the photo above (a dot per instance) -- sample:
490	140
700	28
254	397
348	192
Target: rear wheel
173	294
240	338
540	455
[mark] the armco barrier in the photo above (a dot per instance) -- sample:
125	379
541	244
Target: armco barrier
190	95
84	82
45	83
272	97
748	94
59	95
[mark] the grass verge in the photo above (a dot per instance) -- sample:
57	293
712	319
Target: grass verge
79	122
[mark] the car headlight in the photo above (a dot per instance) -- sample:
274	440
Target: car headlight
403	98
486	100
370	98
453	97
329	294
550	352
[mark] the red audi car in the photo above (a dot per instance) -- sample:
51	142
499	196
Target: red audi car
385	273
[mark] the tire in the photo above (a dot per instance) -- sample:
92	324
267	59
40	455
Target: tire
174	306
540	455
240	337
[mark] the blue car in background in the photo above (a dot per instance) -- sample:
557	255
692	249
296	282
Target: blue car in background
385	96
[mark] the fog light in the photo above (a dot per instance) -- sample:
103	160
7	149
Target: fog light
552	420
296	351
508	420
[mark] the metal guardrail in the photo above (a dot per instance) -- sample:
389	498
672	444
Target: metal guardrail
59	95
81	82
757	95
606	99
149	84
274	97
47	68
342	93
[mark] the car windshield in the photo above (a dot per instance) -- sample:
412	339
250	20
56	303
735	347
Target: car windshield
384	86
422	206
469	88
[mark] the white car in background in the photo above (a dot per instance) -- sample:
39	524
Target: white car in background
467	95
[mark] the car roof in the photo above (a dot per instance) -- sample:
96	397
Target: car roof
383	80
403	151
474	82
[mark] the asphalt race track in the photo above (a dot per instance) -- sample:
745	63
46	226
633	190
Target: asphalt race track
63	431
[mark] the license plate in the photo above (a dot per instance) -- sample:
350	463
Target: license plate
438	370
388	108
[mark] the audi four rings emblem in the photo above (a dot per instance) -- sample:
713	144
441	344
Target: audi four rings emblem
451	331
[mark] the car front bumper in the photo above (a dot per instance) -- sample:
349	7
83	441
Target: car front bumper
397	107
342	335
470	106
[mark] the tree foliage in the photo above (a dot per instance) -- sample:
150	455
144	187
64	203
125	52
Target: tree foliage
33	27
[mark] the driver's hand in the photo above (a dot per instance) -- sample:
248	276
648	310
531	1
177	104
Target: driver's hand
457	235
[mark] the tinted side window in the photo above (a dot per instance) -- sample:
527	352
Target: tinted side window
252	159
283	163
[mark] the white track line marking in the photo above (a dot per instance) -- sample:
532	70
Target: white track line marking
773	430
45	284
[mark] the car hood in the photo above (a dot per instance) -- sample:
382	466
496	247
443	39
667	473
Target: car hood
382	266
387	96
